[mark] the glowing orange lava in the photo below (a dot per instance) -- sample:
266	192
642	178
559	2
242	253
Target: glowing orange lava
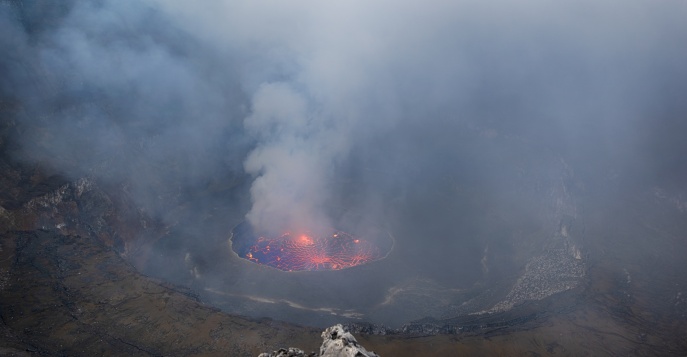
295	252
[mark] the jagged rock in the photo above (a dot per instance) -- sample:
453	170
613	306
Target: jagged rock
339	343
336	342
284	352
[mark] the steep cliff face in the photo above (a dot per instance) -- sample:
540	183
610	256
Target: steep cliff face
78	207
560	265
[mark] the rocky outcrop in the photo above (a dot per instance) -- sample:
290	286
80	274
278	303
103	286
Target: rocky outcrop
288	352
560	266
336	342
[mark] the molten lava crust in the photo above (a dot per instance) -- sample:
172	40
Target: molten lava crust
306	251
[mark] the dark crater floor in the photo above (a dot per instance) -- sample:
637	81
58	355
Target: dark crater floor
71	283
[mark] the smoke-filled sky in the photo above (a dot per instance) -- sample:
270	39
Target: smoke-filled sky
301	94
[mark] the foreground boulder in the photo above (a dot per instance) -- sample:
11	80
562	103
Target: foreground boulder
335	343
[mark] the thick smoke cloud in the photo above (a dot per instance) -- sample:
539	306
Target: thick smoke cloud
113	90
342	104
289	191
329	81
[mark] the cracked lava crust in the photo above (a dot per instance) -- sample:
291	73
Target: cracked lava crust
301	251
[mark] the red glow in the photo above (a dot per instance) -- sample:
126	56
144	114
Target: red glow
305	240
288	252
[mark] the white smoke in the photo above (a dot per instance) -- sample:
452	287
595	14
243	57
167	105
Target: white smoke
323	75
290	188
314	81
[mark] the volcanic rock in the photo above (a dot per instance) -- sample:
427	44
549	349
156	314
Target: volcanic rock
287	352
339	343
336	342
